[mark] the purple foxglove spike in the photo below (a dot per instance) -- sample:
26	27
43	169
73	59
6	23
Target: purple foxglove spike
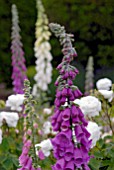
23	159
71	149
59	66
25	150
62	100
29	164
56	127
69	165
59	118
57	112
63	139
75	111
60	164
56	83
18	73
79	131
84	121
62	71
58	94
57	102
70	83
77	93
54	168
76	71
41	155
65	125
69	92
64	92
28	144
72	97
68	156
72	133
75	119
66	114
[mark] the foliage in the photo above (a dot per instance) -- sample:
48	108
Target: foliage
103	154
10	148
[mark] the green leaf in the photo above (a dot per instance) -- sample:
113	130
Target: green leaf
2	158
4	147
94	164
105	163
15	161
8	164
98	154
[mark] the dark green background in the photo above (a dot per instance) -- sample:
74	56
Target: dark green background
91	22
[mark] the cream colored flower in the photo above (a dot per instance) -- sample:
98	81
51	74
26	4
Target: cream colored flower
11	118
46	146
95	132
107	94
104	84
89	105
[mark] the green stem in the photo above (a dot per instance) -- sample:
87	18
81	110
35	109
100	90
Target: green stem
33	137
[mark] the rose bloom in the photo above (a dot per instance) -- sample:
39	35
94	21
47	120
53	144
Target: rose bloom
107	94
95	132
89	105
11	118
46	146
15	102
104	84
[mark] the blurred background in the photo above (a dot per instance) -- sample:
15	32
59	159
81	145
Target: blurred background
91	22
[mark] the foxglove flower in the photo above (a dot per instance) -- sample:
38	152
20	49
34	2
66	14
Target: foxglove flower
11	118
71	144
104	84
15	102
42	52
18	60
95	132
89	105
28	159
89	84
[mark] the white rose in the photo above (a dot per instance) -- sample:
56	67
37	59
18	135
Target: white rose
95	132
11	118
89	105
104	84
0	136
107	94
47	111
46	146
15	102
